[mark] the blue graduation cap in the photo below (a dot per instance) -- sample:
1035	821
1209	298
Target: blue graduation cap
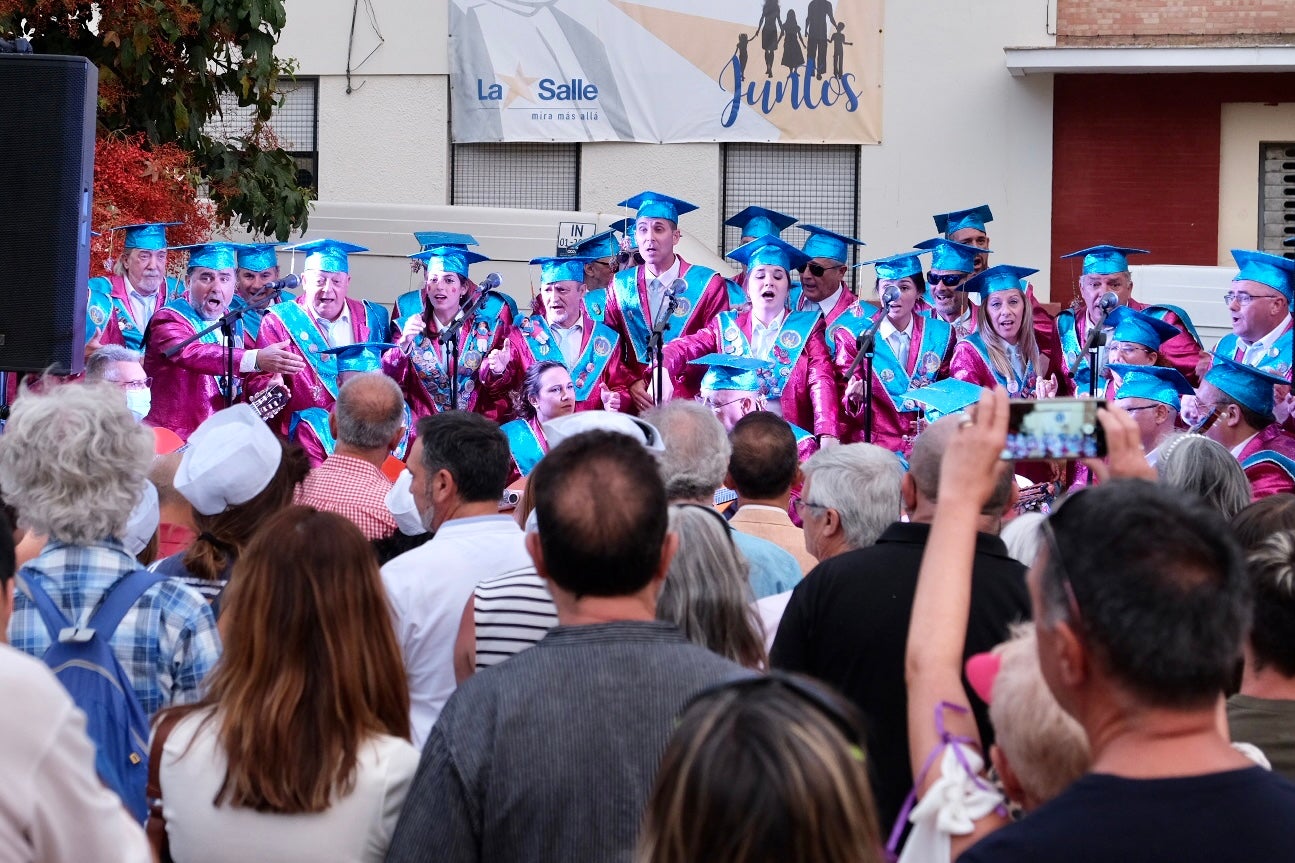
945	396
1248	385
1274	271
769	250
602	245
735	373
950	223
1104	260
759	222
146	235
452	259
1163	384
1139	328
258	256
216	256
1002	277
359	357
327	256
626	228
823	243
430	239
948	255
898	266
654	205
561	269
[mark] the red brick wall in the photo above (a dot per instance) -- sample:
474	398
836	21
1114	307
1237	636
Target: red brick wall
1136	163
1093	18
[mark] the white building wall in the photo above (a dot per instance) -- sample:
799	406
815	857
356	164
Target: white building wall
958	130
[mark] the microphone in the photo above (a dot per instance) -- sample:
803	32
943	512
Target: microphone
1108	301
891	295
668	306
491	282
292	280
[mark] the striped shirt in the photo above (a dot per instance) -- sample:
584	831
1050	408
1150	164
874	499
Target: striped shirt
511	612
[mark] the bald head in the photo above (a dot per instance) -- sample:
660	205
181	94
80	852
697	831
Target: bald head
928	455
369	412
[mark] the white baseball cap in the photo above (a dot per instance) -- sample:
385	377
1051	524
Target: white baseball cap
231	458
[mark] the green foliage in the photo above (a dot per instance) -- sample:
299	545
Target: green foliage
163	67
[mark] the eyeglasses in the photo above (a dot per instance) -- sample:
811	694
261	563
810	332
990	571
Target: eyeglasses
800	505
624	258
1241	298
949	280
817	270
1141	408
715	406
133	385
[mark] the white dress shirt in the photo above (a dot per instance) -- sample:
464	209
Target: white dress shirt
569	340
657	286
428	588
1257	350
142	306
337	332
830	303
763	338
898	340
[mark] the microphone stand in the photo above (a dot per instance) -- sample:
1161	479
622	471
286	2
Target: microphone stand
1096	338
450	336
865	350
225	323
656	343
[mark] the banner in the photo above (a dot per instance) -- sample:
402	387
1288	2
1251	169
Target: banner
666	71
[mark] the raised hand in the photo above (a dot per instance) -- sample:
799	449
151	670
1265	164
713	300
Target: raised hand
611	400
278	359
499	359
411	331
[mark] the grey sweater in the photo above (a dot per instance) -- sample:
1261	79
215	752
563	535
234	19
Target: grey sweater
551	755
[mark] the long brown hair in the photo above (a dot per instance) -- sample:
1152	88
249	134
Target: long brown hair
311	666
221	537
996	345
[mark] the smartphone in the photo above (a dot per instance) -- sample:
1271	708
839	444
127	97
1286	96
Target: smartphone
1062	428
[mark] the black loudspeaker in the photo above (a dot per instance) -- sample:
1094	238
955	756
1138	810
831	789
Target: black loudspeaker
47	117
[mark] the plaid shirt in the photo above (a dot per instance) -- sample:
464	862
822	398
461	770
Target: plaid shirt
166	643
354	488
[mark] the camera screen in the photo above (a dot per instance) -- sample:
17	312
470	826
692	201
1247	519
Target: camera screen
1054	429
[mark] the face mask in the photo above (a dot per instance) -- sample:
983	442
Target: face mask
139	402
400	503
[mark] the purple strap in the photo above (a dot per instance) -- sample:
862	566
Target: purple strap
946	739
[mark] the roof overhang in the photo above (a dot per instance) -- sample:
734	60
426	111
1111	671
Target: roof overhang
1149	60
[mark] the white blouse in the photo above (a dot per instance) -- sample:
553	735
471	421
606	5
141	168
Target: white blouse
355	828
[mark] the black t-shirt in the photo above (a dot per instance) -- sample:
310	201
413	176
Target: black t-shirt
1243	815
847	624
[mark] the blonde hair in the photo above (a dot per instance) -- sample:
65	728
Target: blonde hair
1046	748
996	345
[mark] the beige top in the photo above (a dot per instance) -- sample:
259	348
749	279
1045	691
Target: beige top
774	525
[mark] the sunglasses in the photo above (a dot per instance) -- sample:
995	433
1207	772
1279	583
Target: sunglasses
949	280
817	270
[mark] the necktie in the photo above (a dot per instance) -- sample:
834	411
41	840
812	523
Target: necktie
899	344
656	296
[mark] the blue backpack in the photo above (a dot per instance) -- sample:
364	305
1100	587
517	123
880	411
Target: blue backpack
84	662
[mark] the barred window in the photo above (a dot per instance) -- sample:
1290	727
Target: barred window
295	125
1277	198
527	176
816	183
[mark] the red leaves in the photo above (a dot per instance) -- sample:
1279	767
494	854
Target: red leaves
135	183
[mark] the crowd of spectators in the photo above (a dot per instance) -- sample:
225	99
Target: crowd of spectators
854	660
